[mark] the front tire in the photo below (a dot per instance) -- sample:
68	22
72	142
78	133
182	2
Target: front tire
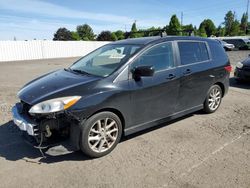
213	99
100	134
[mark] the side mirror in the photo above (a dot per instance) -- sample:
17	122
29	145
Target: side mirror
143	71
248	55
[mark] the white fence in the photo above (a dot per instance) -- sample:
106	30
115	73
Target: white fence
28	50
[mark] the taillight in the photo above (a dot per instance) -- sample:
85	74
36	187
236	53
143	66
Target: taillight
228	68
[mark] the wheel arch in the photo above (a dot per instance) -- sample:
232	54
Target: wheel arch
116	112
221	86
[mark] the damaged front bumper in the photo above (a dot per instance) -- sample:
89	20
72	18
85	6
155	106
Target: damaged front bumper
23	122
36	136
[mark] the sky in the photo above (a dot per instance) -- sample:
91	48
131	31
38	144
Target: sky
39	19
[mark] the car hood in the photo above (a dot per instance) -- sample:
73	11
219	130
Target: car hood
56	84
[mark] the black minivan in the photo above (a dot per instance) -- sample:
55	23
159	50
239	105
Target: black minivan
122	88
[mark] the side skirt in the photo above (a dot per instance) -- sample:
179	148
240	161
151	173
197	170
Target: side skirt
153	123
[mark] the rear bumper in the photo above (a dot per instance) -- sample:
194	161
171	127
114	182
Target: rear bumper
23	122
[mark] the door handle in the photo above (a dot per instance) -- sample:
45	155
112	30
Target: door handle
187	72
171	76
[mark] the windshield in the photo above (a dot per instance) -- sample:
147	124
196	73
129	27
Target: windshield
247	41
105	60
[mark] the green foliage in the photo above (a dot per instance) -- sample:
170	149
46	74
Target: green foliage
187	30
229	19
63	34
195	31
85	32
244	23
152	31
113	36
75	35
209	27
174	27
134	28
139	34
220	31
235	28
105	36
120	35
202	32
232	25
134	31
166	28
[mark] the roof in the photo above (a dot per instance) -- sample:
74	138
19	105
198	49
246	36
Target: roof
140	41
147	40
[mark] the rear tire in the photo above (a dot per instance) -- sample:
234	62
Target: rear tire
213	99
100	134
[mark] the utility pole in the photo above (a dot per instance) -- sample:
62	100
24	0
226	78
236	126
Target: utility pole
181	21
182	18
246	24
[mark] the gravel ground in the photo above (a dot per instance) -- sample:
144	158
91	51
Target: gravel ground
194	151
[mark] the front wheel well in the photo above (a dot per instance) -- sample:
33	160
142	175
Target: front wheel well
116	112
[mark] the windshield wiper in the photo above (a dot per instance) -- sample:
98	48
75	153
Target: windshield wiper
67	69
78	71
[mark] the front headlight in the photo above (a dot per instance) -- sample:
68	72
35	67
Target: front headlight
54	105
239	65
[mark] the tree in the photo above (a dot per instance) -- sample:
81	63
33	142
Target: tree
229	19
196	32
62	34
235	28
220	32
140	33
244	23
232	25
105	36
202	32
120	35
75	35
174	27
133	32
113	36
187	30
85	32
152	31
209	27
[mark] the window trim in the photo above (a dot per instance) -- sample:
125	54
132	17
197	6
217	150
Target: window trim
154	45
123	75
198	62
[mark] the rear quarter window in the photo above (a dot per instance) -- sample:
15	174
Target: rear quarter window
218	53
193	52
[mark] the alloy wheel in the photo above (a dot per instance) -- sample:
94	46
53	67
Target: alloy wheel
102	135
214	99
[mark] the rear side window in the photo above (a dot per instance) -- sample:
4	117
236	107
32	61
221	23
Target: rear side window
193	52
218	53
